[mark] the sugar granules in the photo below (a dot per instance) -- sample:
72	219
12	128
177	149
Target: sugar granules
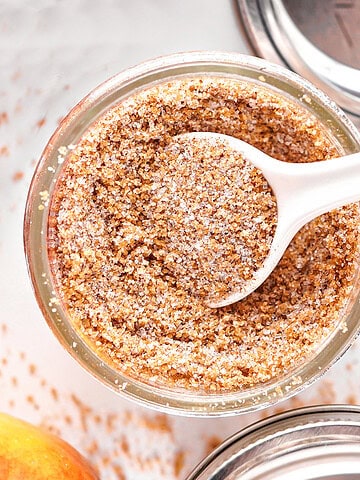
211	216
117	288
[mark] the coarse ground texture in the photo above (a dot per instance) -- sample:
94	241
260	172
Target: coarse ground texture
113	278
211	215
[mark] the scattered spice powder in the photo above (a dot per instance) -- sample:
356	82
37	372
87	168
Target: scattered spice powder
125	446
17	176
179	462
16	75
349	367
31	400
211	444
110	422
120	429
119	472
84	411
352	400
159	423
128	301
32	369
4	151
93	448
54	393
40	123
326	392
68	419
4	118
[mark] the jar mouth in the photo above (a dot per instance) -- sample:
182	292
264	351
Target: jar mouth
37	209
310	443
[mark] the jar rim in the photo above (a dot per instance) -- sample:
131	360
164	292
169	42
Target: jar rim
35	224
306	443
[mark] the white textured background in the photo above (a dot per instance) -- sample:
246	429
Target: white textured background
51	54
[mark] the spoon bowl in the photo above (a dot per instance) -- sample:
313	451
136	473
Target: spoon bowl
303	191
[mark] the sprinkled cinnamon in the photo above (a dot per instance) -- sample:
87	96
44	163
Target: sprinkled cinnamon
179	461
4	118
40	123
17	176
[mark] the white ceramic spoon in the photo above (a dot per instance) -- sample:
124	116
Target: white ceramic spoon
303	191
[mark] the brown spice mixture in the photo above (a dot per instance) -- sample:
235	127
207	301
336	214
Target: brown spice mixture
119	291
211	216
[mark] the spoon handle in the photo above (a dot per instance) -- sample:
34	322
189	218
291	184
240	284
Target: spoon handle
306	190
303	192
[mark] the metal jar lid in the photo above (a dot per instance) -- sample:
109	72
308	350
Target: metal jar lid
319	39
313	443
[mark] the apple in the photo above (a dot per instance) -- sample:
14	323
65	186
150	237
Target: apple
30	453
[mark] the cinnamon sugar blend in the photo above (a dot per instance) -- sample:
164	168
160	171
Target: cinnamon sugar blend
125	259
211	216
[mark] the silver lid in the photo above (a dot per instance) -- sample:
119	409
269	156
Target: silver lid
319	39
306	444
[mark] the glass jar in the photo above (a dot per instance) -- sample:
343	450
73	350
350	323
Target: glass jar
310	443
70	130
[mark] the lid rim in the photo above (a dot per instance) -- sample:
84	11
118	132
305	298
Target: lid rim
222	461
270	33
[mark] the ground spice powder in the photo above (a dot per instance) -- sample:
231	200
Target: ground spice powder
116	248
211	216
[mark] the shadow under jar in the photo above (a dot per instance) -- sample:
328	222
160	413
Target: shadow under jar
98	246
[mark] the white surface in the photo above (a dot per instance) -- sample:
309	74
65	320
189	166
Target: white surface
51	54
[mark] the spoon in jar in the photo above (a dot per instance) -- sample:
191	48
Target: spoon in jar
303	191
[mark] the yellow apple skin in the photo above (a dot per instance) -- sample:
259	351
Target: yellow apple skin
30	453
